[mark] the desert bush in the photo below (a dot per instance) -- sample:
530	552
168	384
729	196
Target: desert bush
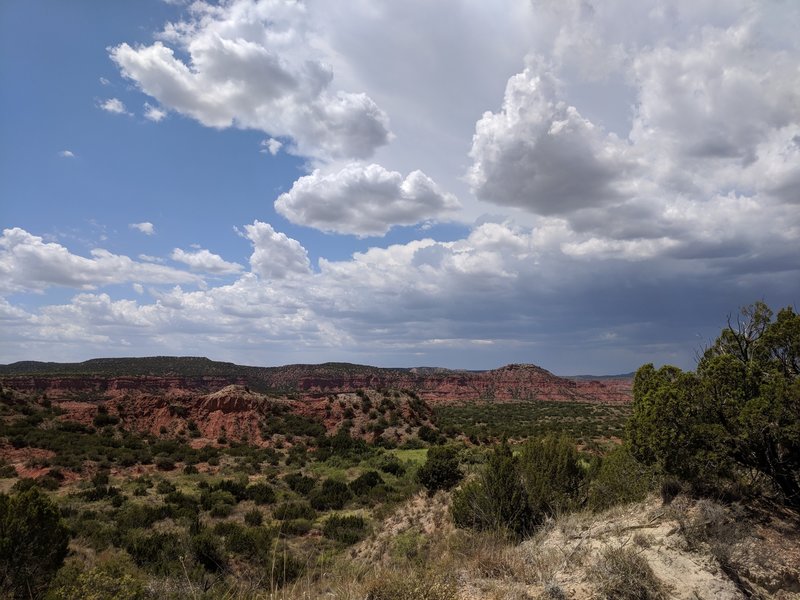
249	542
33	543
112	579
207	551
738	412
622	574
441	470
299	483
164	463
281	567
220	510
6	470
254	517
295	527
157	552
345	529
165	487
670	488
136	515
260	493
420	586
332	495
365	482
209	499
496	500
294	510
621	479
552	475
389	463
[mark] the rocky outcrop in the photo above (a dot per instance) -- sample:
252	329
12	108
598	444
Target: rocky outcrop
207	408
437	386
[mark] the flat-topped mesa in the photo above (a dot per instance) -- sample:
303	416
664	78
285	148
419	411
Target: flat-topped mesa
514	382
64	386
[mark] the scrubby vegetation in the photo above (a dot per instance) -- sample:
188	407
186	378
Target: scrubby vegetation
154	517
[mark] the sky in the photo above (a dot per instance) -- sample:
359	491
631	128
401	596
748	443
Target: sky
583	185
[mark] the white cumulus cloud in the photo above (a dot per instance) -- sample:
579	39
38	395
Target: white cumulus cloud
154	113
114	105
251	65
204	261
364	200
144	227
27	262
275	255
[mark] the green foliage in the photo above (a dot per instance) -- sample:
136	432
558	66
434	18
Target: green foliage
332	495
260	493
33	543
552	475
365	482
441	470
157	552
496	500
347	529
529	419
294	527
739	411
207	551
299	483
114	579
281	568
293	510
391	464
254	517
621	479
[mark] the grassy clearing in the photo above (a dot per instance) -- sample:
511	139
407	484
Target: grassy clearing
587	423
415	456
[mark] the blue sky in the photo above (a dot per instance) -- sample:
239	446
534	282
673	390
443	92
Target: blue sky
585	186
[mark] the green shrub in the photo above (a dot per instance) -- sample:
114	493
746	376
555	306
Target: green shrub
552	475
157	552
441	470
165	463
254	517
7	470
33	543
621	479
220	510
209	499
496	500
207	551
114	579
737	413
623	574
164	487
347	529
135	515
332	495
261	493
389	463
294	527
281	568
294	510
299	483
365	482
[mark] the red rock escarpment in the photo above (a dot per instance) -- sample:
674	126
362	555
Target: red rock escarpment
509	383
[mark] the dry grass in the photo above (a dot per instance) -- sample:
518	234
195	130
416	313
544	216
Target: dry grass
623	574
